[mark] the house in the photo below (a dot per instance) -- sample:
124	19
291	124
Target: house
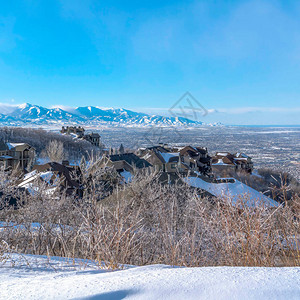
244	161
225	161
78	131
124	163
196	158
93	138
168	162
223	164
14	155
177	159
53	177
129	159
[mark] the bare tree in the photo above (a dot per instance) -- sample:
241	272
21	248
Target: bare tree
55	151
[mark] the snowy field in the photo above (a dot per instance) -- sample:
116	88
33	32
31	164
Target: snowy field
37	277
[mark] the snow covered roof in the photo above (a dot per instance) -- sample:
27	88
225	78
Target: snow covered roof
32	176
224	161
222	153
220	162
14	145
167	156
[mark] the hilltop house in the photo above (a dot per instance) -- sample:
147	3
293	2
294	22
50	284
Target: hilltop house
165	161
196	158
225	161
124	163
93	138
177	159
14	155
79	132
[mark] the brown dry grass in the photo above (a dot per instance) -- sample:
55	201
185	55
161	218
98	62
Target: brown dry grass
145	222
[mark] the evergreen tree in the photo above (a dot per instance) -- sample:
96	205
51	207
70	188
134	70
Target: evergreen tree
121	149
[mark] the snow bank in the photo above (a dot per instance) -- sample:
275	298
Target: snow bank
232	191
37	277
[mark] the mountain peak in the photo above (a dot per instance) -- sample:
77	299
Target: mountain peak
24	105
88	115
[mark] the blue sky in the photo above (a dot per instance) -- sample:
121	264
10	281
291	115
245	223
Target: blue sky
240	59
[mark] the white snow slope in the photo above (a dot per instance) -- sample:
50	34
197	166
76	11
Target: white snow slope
34	277
232	191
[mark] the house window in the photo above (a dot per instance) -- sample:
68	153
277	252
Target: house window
173	166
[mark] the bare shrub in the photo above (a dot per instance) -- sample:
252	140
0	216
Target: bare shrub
146	222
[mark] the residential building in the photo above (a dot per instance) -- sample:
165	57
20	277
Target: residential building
14	155
177	159
225	161
125	162
78	131
93	138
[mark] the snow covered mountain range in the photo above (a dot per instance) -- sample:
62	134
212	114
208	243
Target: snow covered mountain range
37	115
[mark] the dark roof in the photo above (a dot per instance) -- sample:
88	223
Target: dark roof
131	159
158	148
192	151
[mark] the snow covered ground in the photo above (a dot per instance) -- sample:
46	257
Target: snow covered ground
37	277
232	191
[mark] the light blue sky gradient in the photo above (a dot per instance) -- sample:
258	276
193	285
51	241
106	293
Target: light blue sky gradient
240	59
